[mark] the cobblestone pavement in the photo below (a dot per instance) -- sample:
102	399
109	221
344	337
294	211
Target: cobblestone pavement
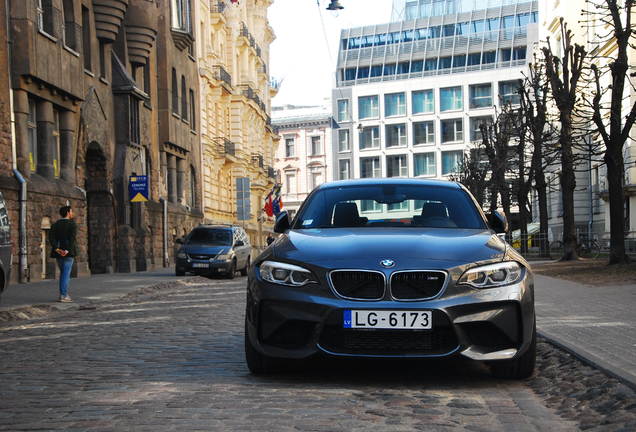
172	359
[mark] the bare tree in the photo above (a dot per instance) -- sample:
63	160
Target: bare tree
564	75
613	128
472	172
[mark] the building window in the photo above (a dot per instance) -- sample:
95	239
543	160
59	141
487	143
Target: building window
175	93
394	105
424	164
86	39
32	126
451	161
56	143
452	130
193	112
423	101
193	188
509	92
181	15
475	127
368	107
396	135
480	95
451	99
370	137
370	167
316	147
396	166
344	169
343	140
289	147
315	179
290	183
45	17
184	99
134	121
70	34
424	132
147	78
102	60
343	110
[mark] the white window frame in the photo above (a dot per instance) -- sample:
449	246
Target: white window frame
430	132
375	108
455	121
347	140
343	116
347	169
375	137
376	168
428	164
403	165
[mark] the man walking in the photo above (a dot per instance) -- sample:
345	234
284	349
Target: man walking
62	240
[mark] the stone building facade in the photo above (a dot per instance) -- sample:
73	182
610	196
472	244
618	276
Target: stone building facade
93	86
238	141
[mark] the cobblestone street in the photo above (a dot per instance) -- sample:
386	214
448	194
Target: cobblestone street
172	359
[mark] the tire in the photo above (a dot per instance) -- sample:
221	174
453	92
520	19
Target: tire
179	273
257	363
247	267
520	368
232	272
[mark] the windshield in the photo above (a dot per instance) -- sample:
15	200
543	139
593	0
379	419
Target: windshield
212	237
389	206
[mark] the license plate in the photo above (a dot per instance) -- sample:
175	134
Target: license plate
388	319
200	265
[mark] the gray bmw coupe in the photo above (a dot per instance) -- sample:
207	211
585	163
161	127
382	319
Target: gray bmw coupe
391	268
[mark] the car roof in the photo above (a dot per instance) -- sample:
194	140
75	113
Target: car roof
390	181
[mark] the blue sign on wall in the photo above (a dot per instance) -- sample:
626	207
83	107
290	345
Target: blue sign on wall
138	188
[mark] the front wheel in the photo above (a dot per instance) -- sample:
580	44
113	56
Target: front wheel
232	271
257	363
179	273
521	367
247	267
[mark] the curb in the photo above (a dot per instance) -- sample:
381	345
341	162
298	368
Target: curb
591	360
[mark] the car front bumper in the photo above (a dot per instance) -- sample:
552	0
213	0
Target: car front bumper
487	325
203	266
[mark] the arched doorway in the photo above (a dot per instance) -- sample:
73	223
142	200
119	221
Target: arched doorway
101	212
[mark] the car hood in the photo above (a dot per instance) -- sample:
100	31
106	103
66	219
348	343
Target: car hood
408	247
204	250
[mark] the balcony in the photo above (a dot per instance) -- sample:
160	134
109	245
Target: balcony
250	40
226	147
250	94
271	172
220	74
258	160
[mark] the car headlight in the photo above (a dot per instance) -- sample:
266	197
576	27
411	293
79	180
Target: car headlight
182	255
493	275
223	257
285	274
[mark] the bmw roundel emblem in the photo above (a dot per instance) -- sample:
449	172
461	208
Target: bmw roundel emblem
387	263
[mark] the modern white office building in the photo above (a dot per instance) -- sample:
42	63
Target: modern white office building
304	153
410	95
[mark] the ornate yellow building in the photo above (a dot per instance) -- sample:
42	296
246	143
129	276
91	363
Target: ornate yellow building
237	139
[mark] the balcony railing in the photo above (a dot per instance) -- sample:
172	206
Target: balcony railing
222	75
227	147
258	160
249	93
252	42
271	172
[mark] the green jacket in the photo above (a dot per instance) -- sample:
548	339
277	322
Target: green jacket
62	235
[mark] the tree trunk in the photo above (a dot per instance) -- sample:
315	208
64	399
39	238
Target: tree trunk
542	196
615	168
568	184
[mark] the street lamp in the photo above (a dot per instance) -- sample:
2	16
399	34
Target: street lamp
335	5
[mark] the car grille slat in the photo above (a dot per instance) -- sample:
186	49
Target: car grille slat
201	257
361	285
417	285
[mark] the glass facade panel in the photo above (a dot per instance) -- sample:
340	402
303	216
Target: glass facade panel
480	95
368	107
452	130
370	137
423	101
423	133
396	166
424	164
508	92
343	110
451	98
394	105
451	161
343	140
396	135
370	167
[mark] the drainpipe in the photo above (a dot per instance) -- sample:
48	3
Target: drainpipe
23	264
164	204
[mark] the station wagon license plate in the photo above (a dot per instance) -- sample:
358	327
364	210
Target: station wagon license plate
200	265
388	319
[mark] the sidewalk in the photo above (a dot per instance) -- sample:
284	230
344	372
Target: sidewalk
595	323
100	287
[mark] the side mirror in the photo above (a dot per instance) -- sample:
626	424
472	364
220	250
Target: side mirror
179	241
282	222
498	222
239	243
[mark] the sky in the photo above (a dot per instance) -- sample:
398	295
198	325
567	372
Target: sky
301	56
